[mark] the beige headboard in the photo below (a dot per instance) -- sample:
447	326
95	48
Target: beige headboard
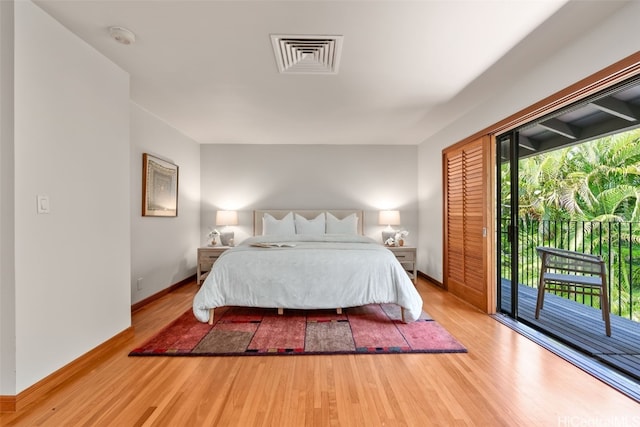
309	214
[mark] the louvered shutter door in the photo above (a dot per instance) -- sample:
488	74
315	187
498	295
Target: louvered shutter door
466	190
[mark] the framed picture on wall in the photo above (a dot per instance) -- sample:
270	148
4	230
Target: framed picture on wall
159	187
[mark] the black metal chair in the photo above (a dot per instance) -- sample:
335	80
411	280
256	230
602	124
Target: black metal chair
575	273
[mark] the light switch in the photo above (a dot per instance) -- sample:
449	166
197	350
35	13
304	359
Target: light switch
43	204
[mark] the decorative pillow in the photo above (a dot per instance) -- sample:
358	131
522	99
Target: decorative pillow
348	225
312	227
281	227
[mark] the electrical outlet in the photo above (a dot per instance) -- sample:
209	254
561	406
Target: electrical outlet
139	284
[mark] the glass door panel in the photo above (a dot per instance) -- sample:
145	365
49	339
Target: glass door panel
507	243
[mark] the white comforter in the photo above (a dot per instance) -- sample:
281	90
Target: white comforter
330	271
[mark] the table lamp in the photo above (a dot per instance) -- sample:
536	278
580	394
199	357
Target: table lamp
388	218
226	218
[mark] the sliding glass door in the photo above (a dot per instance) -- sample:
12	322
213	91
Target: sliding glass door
507	243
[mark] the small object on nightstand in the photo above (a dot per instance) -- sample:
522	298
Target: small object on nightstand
213	235
399	237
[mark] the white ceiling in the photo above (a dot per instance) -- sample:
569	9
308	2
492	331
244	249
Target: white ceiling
208	69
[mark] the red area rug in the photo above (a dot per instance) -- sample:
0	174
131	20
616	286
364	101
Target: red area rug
241	331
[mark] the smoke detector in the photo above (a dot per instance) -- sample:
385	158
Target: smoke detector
307	54
122	35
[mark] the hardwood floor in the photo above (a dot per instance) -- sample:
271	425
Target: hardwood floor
504	379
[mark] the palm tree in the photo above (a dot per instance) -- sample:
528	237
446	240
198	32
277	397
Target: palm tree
597	185
599	180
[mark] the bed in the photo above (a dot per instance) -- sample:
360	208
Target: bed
321	260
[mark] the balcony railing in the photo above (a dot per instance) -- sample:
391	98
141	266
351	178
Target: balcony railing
618	243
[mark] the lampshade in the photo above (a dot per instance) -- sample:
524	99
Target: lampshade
389	218
227	218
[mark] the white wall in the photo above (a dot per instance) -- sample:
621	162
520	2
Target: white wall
72	266
430	206
614	39
247	177
7	270
163	249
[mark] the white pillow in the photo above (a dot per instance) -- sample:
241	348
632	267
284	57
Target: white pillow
281	227
311	227
348	225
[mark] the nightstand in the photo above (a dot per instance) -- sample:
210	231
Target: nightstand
407	257
206	257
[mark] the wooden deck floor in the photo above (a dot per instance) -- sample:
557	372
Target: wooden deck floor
582	327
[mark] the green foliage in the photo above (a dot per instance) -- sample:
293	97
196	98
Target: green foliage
600	178
586	197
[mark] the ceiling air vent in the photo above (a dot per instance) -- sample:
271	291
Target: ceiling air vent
307	54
